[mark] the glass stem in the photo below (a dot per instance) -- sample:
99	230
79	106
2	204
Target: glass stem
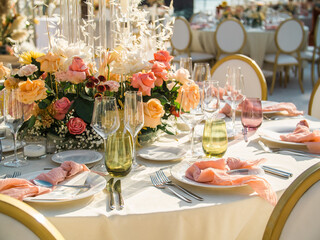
234	119
15	147
192	141
0	150
134	161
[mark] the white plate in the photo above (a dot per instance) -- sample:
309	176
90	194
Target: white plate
268	104
7	145
161	153
272	134
178	172
97	182
78	156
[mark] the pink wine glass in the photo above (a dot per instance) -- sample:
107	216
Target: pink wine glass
251	115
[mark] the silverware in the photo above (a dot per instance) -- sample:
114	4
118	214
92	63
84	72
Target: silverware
159	185
117	188
110	191
277	172
47	184
16	174
165	180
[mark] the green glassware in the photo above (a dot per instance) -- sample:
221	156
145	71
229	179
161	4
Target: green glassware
215	138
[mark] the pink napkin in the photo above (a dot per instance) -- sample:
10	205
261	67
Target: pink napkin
215	172
22	188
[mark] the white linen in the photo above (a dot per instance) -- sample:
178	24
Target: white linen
151	213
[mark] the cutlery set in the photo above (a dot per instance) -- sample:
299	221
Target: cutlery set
117	188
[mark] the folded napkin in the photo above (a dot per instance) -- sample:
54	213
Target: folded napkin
215	172
22	188
303	134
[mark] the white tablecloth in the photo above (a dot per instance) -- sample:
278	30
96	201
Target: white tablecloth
150	213
259	42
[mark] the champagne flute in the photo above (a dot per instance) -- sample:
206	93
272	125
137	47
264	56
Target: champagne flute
211	99
133	119
201	73
186	63
13	119
105	118
251	115
191	112
215	138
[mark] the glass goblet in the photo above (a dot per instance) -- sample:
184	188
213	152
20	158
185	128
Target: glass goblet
105	118
13	118
215	138
201	73
186	63
133	119
251	115
211	98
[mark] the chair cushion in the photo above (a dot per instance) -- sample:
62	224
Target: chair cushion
307	55
283	59
196	57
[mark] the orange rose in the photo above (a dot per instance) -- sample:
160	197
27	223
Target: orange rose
11	83
191	95
31	91
4	71
49	62
153	111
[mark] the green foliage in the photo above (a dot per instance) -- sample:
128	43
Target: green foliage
83	108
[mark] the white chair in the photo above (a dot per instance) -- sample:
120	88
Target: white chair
312	53
288	39
255	83
230	37
181	42
297	214
20	221
314	102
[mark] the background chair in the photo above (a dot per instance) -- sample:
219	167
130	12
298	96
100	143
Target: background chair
312	53
297	214
314	106
254	81
288	39
230	37
20	221
181	42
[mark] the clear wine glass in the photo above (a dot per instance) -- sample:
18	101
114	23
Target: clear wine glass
105	118
201	73
133	119
251	115
191	112
234	88
2	130
13	118
186	63
211	99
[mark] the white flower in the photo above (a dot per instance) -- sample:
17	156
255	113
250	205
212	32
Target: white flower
27	70
182	75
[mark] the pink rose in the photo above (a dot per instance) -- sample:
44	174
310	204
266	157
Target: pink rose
27	70
61	108
164	57
112	86
143	81
78	65
76	126
71	76
159	70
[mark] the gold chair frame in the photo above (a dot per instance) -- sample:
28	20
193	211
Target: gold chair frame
29	217
313	93
253	64
220	51
288	201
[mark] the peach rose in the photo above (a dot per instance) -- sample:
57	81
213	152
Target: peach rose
78	65
71	76
153	112
11	83
76	126
143	81
160	72
31	91
4	71
191	96
49	62
61	108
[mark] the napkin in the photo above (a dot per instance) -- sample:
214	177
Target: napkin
215	172
22	188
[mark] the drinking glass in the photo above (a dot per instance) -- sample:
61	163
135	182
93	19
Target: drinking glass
251	115
215	138
13	119
191	112
2	129
201	73
133	119
105	118
211	99
234	88
186	63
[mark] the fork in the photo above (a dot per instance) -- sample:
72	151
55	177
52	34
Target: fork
165	180
159	185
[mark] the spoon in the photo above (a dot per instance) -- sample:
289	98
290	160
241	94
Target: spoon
47	184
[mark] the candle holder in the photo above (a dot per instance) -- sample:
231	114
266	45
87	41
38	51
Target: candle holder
35	147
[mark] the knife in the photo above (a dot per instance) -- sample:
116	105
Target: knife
110	191
117	187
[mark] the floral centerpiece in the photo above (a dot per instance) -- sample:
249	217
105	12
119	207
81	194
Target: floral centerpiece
254	15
